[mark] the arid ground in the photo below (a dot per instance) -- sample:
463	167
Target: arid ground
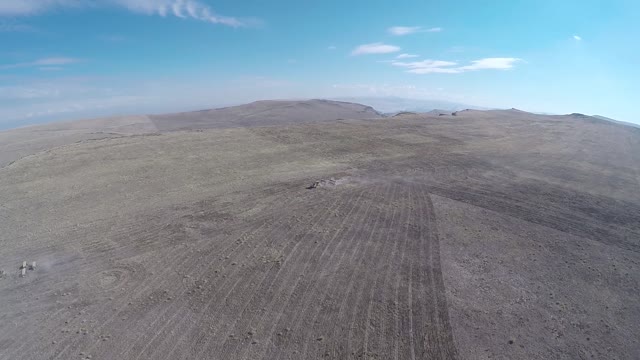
476	235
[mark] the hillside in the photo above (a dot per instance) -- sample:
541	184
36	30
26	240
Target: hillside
276	231
263	113
21	142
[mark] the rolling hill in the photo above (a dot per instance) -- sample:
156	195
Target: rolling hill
321	230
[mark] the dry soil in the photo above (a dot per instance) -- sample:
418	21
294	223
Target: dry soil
488	234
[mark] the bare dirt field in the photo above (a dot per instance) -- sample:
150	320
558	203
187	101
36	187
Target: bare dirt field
479	235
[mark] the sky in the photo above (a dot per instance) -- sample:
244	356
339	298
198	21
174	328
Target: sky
72	59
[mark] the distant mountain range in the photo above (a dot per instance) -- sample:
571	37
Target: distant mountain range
393	105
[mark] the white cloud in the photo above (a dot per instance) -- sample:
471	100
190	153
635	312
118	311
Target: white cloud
434	70
51	61
407	30
192	9
424	64
404	30
576	37
375	48
491	63
406	56
331	47
450	67
428	66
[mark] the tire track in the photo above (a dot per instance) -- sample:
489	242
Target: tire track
310	265
171	268
264	326
230	246
268	241
355	257
224	285
384	312
368	325
446	345
355	308
229	346
401	319
296	337
307	294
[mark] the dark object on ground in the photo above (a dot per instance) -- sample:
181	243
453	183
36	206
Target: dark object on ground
322	183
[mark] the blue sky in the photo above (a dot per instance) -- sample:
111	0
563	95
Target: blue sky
69	59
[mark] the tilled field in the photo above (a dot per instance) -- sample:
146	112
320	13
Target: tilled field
484	235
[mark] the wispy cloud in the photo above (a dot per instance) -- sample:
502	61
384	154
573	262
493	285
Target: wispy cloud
406	56
450	67
45	62
12	26
427	66
179	8
491	63
192	9
375	48
407	30
331	47
56	61
577	38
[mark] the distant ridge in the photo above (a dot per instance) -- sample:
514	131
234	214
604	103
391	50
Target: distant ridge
265	113
394	105
20	142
